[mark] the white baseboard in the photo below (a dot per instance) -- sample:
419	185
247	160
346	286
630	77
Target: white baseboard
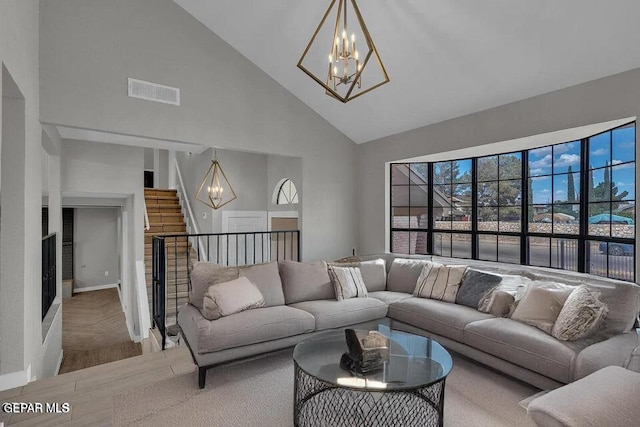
15	379
95	288
59	362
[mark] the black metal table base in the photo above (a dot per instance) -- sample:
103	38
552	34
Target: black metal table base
318	403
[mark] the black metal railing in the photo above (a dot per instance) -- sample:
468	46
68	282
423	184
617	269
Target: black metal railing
172	256
48	272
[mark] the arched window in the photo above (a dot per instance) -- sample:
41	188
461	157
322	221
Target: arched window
285	193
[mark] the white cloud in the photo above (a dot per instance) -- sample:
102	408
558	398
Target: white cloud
536	171
568	160
624	166
599	152
544	162
540	151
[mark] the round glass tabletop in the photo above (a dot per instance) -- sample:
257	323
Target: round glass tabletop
414	361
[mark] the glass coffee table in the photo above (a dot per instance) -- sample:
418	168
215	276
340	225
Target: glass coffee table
408	391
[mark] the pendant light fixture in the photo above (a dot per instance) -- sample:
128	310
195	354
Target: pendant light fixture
350	71
215	189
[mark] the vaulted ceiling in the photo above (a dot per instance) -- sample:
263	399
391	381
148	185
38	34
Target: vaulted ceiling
445	58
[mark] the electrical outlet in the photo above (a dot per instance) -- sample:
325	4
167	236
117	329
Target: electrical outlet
106	274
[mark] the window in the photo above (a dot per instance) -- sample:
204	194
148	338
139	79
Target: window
409	207
569	206
285	193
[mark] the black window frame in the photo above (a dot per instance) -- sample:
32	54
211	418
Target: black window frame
582	238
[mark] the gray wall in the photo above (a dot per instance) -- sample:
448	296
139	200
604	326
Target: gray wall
21	346
250	175
226	100
602	100
95	245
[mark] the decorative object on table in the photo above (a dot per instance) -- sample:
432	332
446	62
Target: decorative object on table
368	350
215	189
346	67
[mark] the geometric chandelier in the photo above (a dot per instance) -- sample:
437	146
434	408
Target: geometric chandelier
339	67
218	188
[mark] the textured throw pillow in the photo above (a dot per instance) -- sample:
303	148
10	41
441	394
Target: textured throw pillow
347	282
582	313
541	304
438	281
225	299
498	303
204	275
475	285
305	281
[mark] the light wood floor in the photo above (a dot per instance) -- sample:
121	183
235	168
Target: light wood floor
94	330
90	391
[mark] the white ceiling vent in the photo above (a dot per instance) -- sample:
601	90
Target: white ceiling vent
154	92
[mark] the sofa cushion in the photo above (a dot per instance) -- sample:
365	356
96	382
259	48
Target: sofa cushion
267	278
374	273
439	281
475	285
305	281
522	345
249	327
331	314
389	297
541	304
204	275
347	282
608	397
403	274
439	317
623	302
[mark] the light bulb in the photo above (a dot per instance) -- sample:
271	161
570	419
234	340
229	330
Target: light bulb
359	67
353	37
335	71
330	59
357	55
344	34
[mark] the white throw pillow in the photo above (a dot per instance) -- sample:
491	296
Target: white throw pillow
347	282
541	304
439	281
227	298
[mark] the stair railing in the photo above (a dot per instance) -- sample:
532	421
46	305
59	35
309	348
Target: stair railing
185	204
147	226
227	249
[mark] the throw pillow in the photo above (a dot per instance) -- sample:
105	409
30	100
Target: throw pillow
204	275
347	282
474	286
374	272
305	281
582	313
347	259
499	303
541	304
438	281
227	298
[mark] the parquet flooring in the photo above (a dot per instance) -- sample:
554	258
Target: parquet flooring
94	330
90	391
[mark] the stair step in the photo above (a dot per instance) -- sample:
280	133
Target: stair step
171	228
163	208
162	217
159	192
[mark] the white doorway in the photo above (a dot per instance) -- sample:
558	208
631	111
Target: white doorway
243	249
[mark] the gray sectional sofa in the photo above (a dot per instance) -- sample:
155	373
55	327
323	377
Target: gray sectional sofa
300	302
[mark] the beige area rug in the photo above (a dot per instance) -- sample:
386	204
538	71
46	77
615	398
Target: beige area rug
260	393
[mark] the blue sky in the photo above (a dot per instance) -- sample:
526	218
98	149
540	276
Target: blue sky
613	148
